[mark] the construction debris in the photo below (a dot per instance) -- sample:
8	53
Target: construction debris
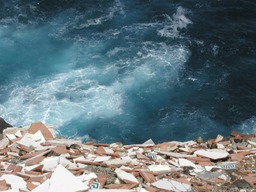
32	159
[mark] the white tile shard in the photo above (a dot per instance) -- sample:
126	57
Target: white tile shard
172	185
159	168
126	176
16	182
212	154
63	180
4	143
102	158
186	163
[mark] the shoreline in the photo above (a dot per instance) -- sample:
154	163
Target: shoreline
40	161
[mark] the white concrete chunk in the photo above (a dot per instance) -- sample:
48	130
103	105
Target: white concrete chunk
126	176
212	154
171	185
63	180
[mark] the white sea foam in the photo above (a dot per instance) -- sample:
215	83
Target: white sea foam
248	126
175	24
117	8
62	97
57	99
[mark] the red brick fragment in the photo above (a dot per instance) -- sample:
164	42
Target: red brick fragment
62	149
235	133
238	156
141	156
100	150
251	180
203	188
183	180
34	127
102	179
198	159
34	161
31	186
4	185
120	186
148	177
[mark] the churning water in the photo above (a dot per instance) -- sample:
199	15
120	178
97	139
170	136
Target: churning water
129	70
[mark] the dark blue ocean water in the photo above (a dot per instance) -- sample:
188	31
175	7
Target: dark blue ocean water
129	70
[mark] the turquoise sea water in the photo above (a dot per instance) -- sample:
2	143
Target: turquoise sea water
124	70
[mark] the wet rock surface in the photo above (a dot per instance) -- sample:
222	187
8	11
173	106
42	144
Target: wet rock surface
32	159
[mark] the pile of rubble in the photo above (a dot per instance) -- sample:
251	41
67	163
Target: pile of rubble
32	159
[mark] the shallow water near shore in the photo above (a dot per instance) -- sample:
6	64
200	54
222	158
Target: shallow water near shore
127	71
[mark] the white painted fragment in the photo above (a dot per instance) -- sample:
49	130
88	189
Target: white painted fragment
125	176
63	180
50	163
171	185
212	154
112	190
4	143
159	168
219	138
31	143
18	133
10	136
87	177
149	142
108	150
43	187
176	155
16	182
102	158
220	146
252	143
116	162
186	163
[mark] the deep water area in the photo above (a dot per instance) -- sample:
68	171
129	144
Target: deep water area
129	70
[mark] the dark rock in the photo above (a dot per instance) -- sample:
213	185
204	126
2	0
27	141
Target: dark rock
3	125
